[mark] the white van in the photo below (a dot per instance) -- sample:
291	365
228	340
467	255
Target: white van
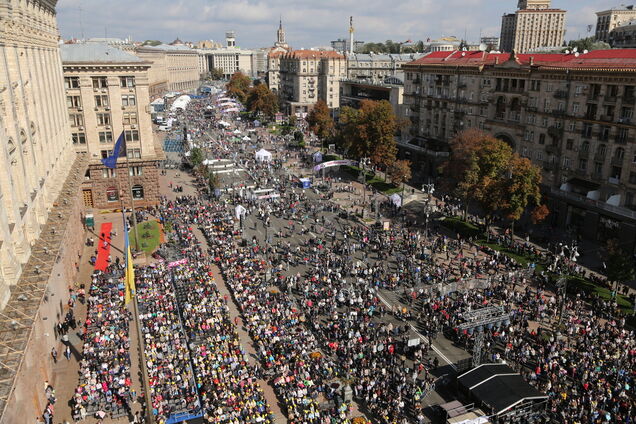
159	120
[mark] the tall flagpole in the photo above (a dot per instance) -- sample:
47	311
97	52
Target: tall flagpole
132	201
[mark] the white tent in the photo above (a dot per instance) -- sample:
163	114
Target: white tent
237	131
232	109
396	199
239	211
181	103
263	156
318	157
246	138
223	123
223	99
223	104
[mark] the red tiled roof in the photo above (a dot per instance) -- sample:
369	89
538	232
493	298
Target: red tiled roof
615	59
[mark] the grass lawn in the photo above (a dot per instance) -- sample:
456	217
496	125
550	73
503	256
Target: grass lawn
149	236
374	181
603	292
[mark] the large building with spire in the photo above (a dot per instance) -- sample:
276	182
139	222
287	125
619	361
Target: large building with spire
280	37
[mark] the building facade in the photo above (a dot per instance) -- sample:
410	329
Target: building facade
377	67
41	233
107	94
534	25
173	68
35	151
624	36
608	20
305	76
572	115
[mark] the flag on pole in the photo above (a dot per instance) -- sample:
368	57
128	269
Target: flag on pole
129	278
118	152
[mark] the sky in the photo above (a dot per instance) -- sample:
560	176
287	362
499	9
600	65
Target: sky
308	23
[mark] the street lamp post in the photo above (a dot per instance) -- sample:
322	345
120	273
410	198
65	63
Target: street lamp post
562	283
363	180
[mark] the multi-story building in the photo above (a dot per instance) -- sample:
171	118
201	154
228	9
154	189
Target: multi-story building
273	70
41	231
107	95
231	59
608	20
36	153
376	67
309	75
571	114
534	25
343	45
173	67
624	36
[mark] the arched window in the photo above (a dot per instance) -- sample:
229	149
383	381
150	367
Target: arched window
23	136
138	192
111	194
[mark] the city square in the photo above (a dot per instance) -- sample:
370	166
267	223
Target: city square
209	234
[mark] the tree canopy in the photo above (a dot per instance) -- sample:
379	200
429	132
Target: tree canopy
390	46
151	43
485	170
620	266
238	86
260	99
320	121
196	157
369	132
216	73
589	44
400	171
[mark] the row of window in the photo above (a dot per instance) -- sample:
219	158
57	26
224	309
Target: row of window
99	82
105	137
112	194
133	171
101	100
103	118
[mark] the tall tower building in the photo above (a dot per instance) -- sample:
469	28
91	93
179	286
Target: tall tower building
280	36
534	25
230	39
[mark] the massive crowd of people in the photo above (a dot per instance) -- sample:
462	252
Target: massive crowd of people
311	294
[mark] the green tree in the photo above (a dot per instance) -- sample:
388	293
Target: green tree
216	74
238	86
369	132
520	188
214	181
196	157
589	44
320	121
151	43
261	100
291	121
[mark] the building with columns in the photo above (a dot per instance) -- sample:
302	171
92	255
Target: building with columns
107	93
571	114
41	232
35	152
534	25
173	68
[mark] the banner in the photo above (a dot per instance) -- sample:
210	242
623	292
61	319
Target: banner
334	163
177	263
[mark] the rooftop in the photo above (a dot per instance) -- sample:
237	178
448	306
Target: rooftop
313	54
95	52
596	59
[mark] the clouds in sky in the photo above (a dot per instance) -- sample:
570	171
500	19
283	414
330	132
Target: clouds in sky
307	23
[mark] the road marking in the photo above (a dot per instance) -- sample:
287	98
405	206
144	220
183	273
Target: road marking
436	350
